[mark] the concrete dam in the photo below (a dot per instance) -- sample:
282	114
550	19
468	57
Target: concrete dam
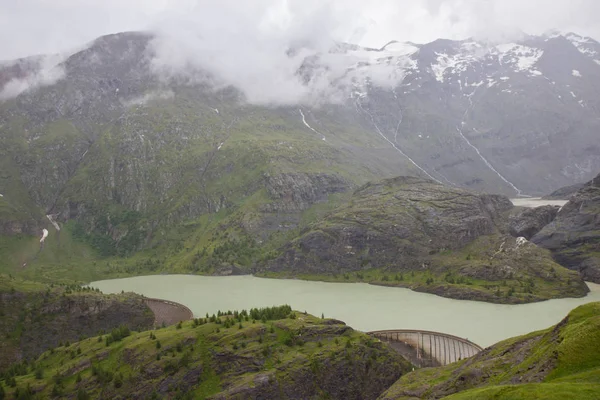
426	348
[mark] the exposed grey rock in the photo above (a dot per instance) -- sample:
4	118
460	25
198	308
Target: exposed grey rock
574	236
530	221
564	193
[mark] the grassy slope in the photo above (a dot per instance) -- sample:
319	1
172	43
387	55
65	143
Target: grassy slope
208	359
557	363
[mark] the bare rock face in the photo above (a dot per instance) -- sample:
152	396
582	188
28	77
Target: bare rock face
531	220
48	318
297	192
399	221
574	236
564	193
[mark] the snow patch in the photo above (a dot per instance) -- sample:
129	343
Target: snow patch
53	222
454	64
583	44
44	235
522	57
521	241
576	73
573	94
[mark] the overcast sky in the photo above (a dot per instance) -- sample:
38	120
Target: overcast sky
47	26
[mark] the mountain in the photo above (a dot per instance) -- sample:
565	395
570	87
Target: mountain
556	363
574	236
131	170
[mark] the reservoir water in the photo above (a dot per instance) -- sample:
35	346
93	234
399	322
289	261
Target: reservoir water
362	306
531	202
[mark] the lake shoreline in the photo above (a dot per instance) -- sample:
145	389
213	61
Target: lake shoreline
363	306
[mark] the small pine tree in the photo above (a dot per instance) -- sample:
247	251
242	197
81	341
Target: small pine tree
158	344
78	379
179	325
39	373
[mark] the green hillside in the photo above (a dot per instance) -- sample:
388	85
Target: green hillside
562	362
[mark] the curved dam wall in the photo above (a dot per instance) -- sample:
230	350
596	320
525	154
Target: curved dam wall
428	349
168	312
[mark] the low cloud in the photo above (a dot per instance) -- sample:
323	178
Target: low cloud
30	74
148	97
275	53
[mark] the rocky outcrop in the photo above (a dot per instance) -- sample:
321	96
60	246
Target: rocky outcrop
397	222
564	193
47	318
27	227
447	236
574	236
293	192
530	221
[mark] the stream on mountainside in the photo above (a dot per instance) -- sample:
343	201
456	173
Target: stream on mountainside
364	307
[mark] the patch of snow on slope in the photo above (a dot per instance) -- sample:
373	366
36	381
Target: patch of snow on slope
583	44
53	222
576	73
523	58
44	235
455	64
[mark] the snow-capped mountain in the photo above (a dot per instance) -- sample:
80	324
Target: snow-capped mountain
518	117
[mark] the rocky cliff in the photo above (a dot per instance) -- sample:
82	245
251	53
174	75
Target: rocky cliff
574	236
38	317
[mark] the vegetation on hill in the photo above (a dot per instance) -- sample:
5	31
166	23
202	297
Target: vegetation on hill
35	317
260	353
562	362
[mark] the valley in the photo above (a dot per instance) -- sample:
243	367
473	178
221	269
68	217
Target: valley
450	187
